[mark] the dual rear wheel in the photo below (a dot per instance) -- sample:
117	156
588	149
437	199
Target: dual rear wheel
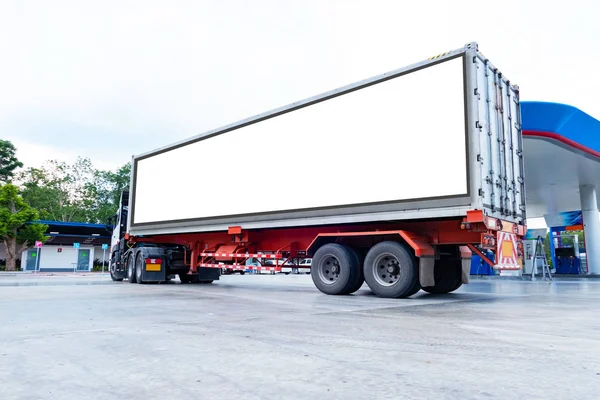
134	268
390	269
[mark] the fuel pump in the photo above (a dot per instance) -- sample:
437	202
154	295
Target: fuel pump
566	253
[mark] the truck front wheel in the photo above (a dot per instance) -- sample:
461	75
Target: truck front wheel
113	274
391	271
117	277
335	269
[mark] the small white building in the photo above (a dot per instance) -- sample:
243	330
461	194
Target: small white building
71	246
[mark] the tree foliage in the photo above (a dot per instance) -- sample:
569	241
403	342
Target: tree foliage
565	241
107	191
58	191
74	192
8	161
18	229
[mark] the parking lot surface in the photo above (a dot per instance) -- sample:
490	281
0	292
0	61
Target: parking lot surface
277	337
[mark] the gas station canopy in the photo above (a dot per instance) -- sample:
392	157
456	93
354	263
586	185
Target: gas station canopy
561	146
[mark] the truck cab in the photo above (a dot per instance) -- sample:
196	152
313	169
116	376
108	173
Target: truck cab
144	262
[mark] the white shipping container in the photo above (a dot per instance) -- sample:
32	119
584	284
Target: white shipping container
431	140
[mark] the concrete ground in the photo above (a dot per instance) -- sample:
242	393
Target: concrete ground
277	337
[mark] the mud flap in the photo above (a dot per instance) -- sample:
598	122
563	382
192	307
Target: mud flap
426	277
465	260
209	274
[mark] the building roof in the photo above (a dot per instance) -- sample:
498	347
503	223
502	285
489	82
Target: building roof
66	233
83	225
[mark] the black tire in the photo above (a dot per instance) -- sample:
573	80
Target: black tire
242	272
185	278
360	279
391	270
286	273
448	276
335	269
111	269
130	269
139	269
114	277
415	289
206	282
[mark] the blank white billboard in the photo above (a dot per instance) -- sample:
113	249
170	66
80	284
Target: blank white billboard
397	140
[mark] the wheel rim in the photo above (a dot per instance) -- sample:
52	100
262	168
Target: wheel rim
386	269
329	270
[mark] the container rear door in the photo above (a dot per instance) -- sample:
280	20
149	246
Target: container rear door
500	142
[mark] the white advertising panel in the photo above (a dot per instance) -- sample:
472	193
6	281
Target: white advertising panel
397	140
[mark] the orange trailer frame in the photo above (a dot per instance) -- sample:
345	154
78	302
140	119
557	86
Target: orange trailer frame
231	249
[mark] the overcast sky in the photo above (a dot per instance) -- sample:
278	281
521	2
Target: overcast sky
108	79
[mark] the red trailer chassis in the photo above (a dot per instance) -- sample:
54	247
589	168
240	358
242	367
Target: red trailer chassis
230	250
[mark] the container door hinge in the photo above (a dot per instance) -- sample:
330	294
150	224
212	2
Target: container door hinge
481	193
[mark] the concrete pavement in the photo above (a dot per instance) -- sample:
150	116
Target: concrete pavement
277	337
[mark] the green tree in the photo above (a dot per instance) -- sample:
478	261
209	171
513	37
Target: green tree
107	190
60	191
18	228
74	192
8	161
566	241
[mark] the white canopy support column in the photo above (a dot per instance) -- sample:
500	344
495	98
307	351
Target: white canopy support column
591	226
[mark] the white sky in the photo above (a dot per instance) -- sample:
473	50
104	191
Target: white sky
112	78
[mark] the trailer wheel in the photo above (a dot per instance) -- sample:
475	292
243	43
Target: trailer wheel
206	282
185	278
390	270
415	289
130	269
447	274
139	272
335	269
360	279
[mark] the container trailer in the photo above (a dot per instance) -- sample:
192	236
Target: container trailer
408	174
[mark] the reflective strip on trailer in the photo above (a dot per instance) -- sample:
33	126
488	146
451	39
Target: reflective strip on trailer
241	255
272	269
506	252
240	267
